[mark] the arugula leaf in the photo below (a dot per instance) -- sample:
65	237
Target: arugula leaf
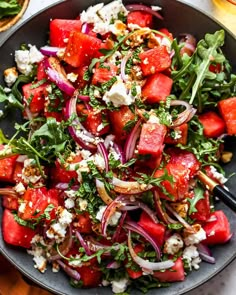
205	149
207	51
198	195
10	7
23	222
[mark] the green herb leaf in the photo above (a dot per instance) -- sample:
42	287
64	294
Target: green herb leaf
8	8
198	195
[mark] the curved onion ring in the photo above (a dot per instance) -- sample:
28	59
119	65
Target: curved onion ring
104	153
129	187
205	253
180	219
71	272
140	7
79	138
132	226
83	243
8	192
130	143
64	247
102	192
186	115
123	65
145	264
56	74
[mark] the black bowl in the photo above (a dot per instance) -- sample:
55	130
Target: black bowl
178	18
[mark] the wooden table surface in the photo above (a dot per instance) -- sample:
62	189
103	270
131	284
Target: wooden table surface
11	282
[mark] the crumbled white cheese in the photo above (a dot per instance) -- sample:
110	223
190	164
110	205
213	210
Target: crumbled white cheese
118	95
173	244
100	127
20	188
69	203
65	217
192	256
55	267
1	113
35	55
76	262
101	16
83	204
153	119
29	172
217	175
72	77
70	193
26	58
58	230
40	263
85	154
119	286
10	76
38	253
195	238
114	218
177	134
23	62
7	90
99	161
21	208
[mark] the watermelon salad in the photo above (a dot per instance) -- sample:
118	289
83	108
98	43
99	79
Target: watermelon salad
100	179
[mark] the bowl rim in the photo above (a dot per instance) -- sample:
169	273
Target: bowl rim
5	254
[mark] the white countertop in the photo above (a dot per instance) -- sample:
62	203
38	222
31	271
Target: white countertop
225	282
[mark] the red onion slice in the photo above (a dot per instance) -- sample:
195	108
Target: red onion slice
103	151
64	247
8	192
71	272
85	28
49	50
146	265
133	226
119	228
79	133
83	243
186	115
108	213
120	153
57	75
140	7
123	65
113	265
179	218
102	192
205	253
130	143
129	187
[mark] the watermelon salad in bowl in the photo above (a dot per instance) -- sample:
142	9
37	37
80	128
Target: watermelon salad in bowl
100	179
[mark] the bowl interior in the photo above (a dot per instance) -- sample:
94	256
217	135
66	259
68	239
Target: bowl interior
178	18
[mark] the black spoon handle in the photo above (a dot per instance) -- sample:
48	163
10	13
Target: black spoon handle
219	191
225	196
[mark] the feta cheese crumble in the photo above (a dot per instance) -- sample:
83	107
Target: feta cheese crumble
118	95
192	257
195	238
113	220
173	244
26	58
101	16
119	286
